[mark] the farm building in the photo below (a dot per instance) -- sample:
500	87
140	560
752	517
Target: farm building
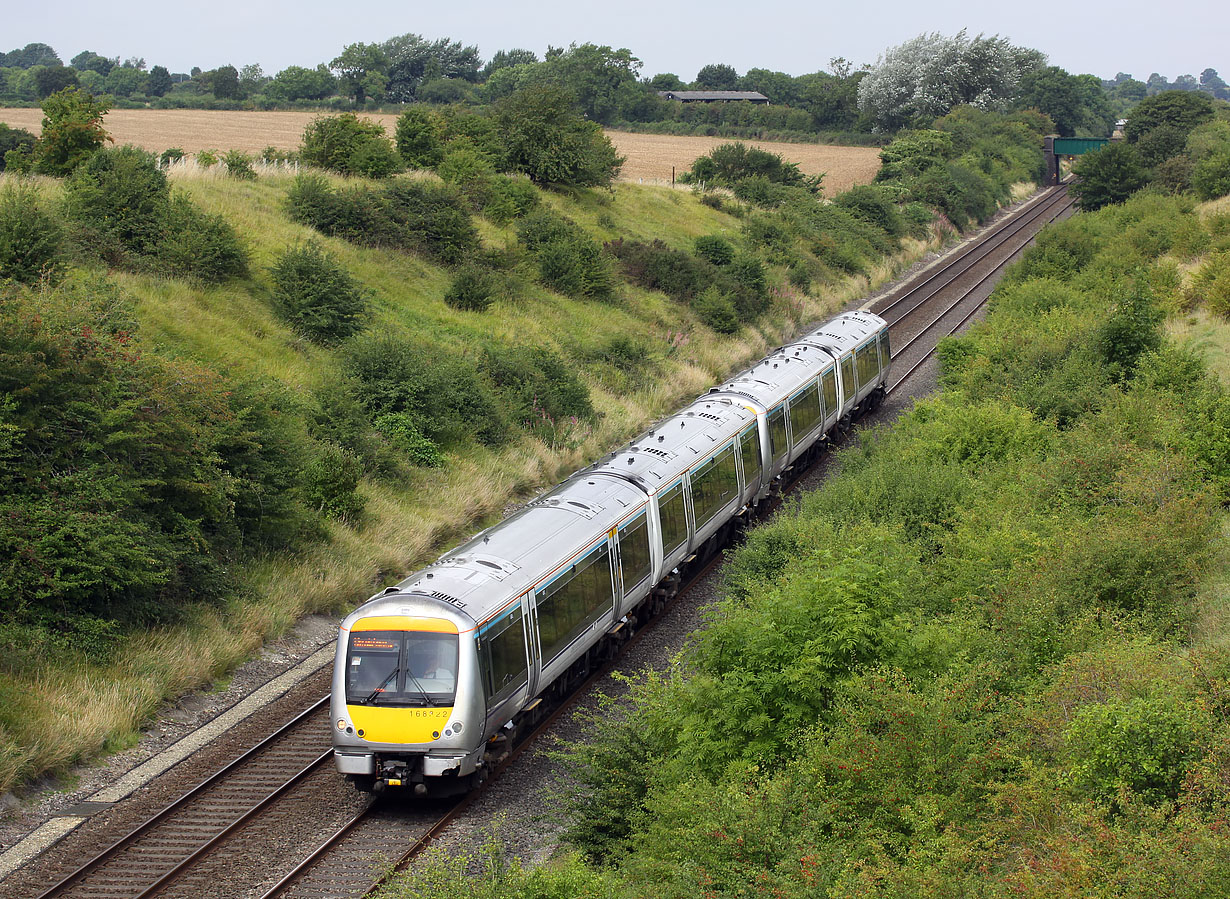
713	96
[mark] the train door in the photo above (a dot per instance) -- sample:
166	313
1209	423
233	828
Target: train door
635	561
779	438
849	385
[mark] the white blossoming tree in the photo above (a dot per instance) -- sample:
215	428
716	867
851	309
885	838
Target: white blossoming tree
929	75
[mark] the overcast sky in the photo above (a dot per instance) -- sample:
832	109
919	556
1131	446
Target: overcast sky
1173	38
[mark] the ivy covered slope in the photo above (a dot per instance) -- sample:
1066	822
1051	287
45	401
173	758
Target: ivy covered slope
230	398
989	657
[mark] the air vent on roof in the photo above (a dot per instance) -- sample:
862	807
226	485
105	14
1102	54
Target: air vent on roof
710	416
444	596
660	453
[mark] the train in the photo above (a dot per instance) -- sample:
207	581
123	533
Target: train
434	677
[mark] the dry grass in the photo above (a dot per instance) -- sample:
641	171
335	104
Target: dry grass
650	156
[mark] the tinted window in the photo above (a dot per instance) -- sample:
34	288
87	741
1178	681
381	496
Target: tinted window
714	484
749	448
868	364
634	555
805	411
848	387
886	355
829	379
407	668
501	657
572	600
674	518
777	432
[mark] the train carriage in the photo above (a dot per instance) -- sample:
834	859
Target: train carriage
433	676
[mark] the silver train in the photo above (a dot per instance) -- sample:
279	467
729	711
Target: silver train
434	676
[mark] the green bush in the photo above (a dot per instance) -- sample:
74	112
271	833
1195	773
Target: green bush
331	483
199	245
239	165
474	289
717	310
1107	176
569	261
728	164
873	206
400	430
72	131
17	140
546	139
121	197
170	155
538	389
447	399
350	146
1211	176
30	236
316	296
715	249
1210	284
418	138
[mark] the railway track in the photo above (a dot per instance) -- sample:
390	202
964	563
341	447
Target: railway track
195	843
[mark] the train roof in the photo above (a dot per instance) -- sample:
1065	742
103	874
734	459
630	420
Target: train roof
846	332
657	458
481	576
778	375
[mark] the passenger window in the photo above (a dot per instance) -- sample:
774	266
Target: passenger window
634	557
502	658
674	518
805	411
830	391
848	385
777	433
868	364
572	600
886	355
715	483
749	448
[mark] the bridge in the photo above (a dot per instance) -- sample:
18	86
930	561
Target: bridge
1054	147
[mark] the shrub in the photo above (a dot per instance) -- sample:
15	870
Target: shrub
1210	284
418	138
1211	176
207	159
728	164
404	435
350	146
18	140
715	249
199	245
716	310
316	296
121	197
239	165
474	289
569	261
538	389
331	483
169	156
506	199
72	131
1109	175
872	205
446	398
30	236
760	191
546	139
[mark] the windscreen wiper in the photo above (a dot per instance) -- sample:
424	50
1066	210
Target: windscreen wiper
427	699
371	697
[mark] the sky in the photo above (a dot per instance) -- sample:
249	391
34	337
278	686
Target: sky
1096	36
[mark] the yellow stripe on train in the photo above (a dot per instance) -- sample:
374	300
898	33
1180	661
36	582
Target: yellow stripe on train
394	725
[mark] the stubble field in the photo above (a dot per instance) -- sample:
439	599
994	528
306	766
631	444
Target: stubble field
650	157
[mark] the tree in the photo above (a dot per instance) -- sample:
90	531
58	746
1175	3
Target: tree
124	81
550	143
54	78
1109	175
31	55
225	83
1160	124
1212	83
666	81
360	68
717	77
251	79
350	146
418	138
72	131
504	59
779	87
88	60
931	74
1076	104
297	83
602	79
16	139
158	82
413	60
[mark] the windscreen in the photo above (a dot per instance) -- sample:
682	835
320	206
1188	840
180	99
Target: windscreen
403	668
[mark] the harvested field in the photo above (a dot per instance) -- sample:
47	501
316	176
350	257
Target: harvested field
650	156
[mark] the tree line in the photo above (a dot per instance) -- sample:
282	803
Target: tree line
909	84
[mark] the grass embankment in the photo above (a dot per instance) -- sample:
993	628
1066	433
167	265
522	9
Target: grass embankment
989	657
57	710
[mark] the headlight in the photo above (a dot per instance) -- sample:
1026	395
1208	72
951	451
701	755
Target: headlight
457	727
341	723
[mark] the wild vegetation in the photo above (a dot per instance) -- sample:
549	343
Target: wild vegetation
987	658
228	401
